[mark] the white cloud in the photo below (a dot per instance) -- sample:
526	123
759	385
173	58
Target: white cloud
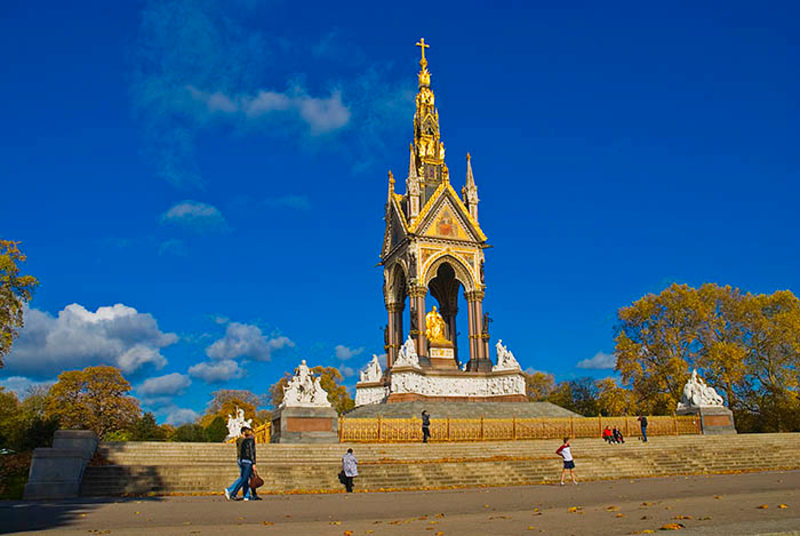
216	372
20	385
601	360
246	340
178	416
170	384
195	216
118	335
320	115
343	352
347	372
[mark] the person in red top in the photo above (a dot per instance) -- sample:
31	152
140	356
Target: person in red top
607	435
569	464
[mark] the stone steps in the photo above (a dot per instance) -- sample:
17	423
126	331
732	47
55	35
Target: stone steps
163	468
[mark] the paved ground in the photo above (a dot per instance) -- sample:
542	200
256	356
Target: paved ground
708	505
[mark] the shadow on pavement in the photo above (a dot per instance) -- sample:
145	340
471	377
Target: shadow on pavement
22	516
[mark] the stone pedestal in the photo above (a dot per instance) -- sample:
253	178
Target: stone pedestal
305	425
715	420
442	356
57	473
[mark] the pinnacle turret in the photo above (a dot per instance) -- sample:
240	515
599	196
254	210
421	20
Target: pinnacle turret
470	191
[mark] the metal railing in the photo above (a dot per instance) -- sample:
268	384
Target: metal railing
389	430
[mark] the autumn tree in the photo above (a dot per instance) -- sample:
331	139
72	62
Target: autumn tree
613	400
95	398
15	291
225	401
657	338
330	379
145	428
746	346
9	416
539	385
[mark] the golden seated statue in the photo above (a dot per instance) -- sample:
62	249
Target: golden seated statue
435	327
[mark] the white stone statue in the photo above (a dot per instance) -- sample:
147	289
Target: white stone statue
697	394
407	356
505	359
373	372
304	390
235	424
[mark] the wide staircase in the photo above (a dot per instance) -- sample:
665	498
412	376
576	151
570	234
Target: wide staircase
150	468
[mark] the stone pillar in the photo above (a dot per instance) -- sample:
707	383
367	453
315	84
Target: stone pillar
479	360
395	312
450	319
417	297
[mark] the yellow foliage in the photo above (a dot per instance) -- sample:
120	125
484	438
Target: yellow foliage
95	398
15	291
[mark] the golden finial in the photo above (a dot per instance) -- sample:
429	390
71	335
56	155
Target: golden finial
423	45
469	157
391	178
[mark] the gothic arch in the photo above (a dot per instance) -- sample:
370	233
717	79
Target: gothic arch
463	272
396	288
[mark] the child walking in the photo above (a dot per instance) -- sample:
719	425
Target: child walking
569	463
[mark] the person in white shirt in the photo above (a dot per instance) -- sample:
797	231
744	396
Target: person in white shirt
350	469
569	463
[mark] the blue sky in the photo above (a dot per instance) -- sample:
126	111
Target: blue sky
199	185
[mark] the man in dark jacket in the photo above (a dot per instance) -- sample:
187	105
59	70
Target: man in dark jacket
426	426
643	422
246	454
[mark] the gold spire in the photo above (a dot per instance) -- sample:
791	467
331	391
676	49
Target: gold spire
428	146
424	75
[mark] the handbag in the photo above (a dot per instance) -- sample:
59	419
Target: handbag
255	481
342	477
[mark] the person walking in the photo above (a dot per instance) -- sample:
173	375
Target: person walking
350	469
569	463
426	426
246	459
643	423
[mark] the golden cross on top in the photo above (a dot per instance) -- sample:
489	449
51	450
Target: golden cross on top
423	45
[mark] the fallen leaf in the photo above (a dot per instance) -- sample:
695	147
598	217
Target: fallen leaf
574	509
137	513
531	528
612	508
682	517
334	522
439	515
620	515
782	506
486	506
717	496
762	506
644	517
348	533
267	523
647	504
672	526
439	533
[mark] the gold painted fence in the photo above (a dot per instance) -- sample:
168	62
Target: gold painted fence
380	430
